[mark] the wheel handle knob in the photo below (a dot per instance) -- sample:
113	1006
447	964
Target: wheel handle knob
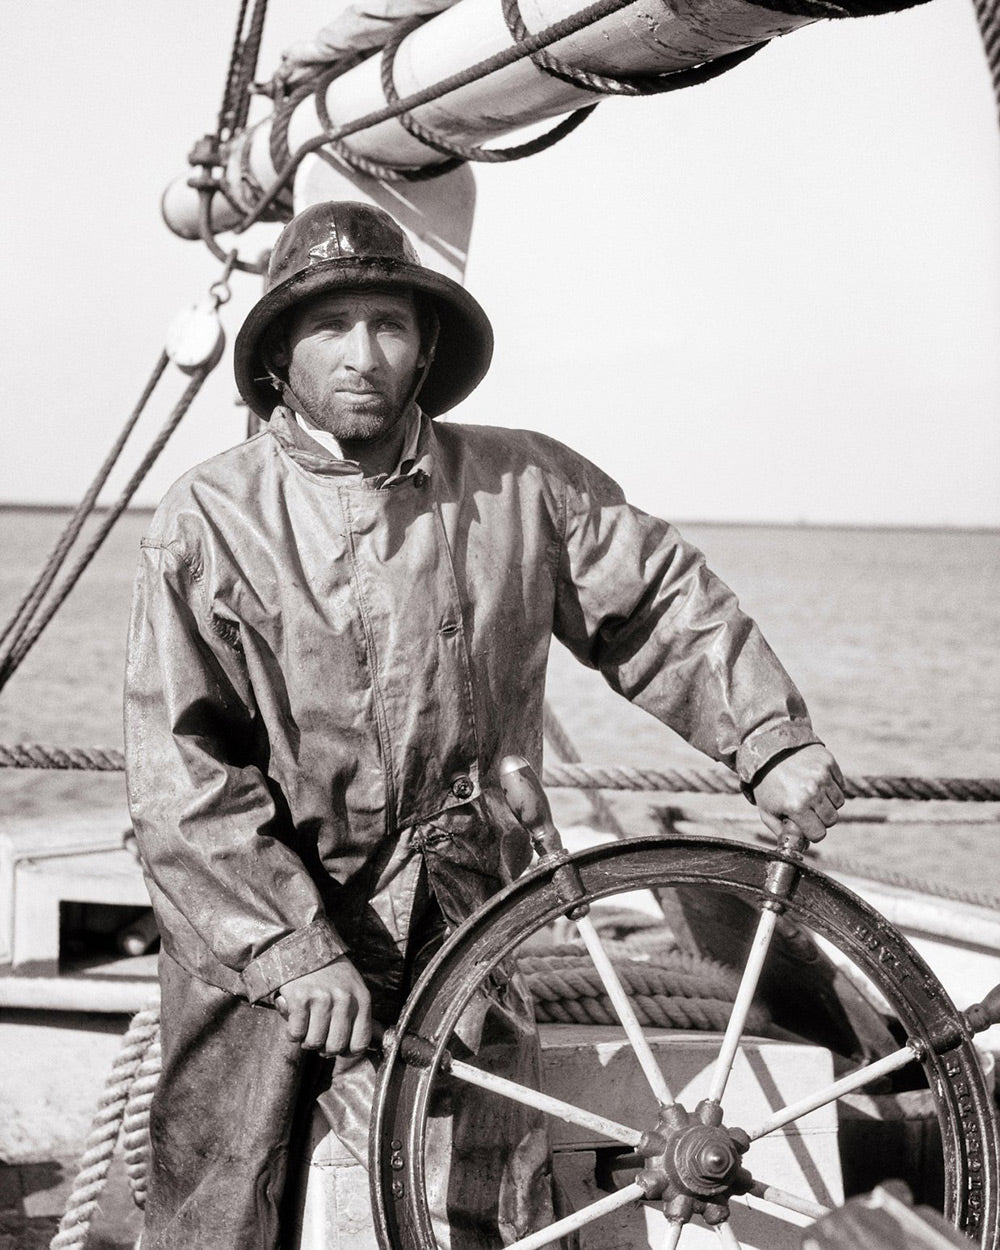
526	799
981	1016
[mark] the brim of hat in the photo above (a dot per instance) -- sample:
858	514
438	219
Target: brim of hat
465	336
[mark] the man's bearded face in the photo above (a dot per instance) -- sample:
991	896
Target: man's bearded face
351	360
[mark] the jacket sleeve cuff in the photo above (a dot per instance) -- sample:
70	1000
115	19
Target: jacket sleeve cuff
293	956
760	748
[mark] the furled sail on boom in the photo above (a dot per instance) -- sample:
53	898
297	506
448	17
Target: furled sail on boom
451	79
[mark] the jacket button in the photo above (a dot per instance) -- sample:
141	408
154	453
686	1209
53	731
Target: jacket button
462	788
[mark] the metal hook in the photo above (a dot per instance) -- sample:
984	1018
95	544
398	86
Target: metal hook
220	290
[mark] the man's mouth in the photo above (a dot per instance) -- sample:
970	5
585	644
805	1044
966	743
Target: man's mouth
358	390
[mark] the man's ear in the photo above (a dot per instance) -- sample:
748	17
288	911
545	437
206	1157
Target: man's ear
274	349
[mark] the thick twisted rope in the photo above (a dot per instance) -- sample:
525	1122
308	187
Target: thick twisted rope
661	970
559	740
83	759
74	1226
567	989
578	776
715	781
227	109
135	1122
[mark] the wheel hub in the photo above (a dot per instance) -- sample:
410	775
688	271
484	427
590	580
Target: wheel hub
693	1162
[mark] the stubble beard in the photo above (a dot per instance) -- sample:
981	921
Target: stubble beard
363	420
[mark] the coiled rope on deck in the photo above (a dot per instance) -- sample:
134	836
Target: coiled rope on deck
578	776
673	990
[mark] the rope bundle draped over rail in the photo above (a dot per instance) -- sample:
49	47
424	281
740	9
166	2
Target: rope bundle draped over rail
142	1036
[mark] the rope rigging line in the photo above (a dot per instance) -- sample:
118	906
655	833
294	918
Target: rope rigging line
235	106
578	776
224	127
207	153
988	17
247	66
26	609
30	635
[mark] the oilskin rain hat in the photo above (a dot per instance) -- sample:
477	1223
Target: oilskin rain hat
341	244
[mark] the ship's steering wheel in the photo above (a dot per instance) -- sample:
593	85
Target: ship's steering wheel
689	1160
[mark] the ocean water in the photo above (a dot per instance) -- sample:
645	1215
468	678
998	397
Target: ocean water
893	636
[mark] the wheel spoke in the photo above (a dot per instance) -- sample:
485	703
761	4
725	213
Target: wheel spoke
791	1202
672	1235
854	1080
586	1215
725	1234
624	1010
744	999
543	1102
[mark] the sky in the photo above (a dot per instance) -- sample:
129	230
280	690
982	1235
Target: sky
771	298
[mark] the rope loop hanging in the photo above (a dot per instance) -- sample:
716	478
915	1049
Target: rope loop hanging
375	169
460	152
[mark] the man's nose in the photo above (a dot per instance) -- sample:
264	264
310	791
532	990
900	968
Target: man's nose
360	347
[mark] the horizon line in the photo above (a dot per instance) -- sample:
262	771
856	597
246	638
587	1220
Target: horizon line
953	526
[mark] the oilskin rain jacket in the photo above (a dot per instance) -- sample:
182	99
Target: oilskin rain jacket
325	671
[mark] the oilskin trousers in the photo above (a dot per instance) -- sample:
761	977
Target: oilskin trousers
230	1120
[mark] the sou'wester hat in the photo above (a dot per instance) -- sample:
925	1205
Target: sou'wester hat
343	244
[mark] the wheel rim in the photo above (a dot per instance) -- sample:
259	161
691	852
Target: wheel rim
930	1021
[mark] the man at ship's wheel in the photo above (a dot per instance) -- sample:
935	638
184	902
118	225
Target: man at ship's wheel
340	627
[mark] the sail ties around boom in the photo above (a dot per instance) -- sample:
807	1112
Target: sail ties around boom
449	80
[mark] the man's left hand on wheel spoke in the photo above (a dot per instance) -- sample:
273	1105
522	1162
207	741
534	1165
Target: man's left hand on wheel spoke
802	792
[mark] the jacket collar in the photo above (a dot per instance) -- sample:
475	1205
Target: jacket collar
312	455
